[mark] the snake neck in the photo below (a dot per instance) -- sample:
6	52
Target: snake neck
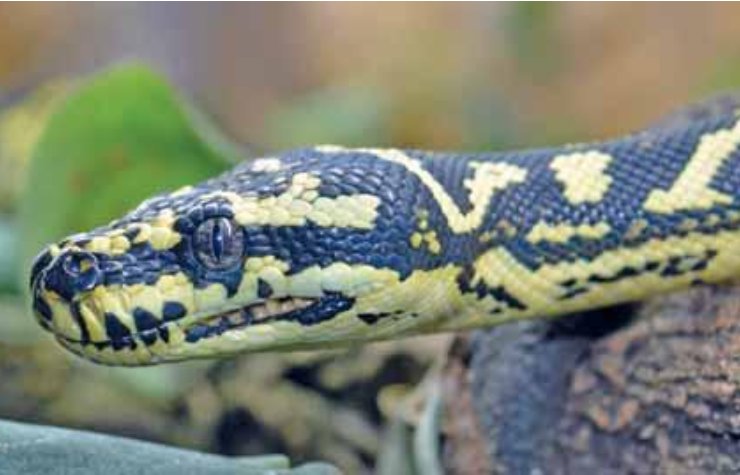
552	231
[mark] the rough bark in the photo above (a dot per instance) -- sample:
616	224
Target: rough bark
624	390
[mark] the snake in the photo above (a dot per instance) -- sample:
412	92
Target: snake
327	246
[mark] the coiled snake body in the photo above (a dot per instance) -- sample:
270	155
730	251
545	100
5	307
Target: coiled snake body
329	246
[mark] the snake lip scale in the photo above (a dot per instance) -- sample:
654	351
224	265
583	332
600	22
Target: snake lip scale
214	325
329	246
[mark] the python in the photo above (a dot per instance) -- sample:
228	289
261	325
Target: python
326	246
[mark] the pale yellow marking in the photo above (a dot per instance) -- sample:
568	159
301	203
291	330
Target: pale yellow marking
144	232
164	238
119	245
210	297
300	204
688	224
540	290
121	300
254	264
160	234
54	250
95	328
583	174
712	220
268	164
429	238
489	177
99	244
181	191
416	240
307	283
486	237
434	245
692	190
423	219
636	229
276	278
62	319
561	233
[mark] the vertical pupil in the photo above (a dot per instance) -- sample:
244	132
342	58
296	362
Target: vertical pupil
218	243
219	238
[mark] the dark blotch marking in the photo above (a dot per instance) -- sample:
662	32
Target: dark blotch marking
132	233
101	345
84	332
673	268
264	290
326	308
42	308
149	337
173	311
372	318
40	263
144	320
502	295
164	334
624	273
118	333
149	327
574	293
670	268
195	333
499	293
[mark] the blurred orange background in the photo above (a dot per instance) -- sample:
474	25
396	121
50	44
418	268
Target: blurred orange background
441	75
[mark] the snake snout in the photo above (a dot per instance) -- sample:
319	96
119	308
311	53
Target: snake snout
57	280
61	278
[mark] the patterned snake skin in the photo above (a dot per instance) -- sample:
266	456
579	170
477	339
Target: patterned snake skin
328	246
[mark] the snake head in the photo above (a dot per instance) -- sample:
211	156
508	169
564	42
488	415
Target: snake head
293	253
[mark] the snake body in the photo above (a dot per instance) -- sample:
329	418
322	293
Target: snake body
328	246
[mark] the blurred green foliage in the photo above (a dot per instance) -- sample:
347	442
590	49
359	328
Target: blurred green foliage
349	116
533	38
723	76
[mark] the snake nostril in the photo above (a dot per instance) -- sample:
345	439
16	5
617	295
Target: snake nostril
77	263
81	268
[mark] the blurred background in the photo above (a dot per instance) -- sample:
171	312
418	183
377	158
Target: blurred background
444	76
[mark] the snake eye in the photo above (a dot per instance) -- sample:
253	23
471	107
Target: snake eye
219	243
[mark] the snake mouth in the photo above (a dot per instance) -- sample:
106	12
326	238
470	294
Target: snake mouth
258	313
193	329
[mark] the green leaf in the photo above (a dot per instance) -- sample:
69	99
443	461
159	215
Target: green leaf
118	139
